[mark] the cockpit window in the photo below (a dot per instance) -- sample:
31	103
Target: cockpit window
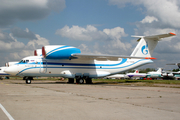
24	61
21	61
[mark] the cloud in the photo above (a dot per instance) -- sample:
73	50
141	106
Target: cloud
149	19
11	10
34	44
15	50
107	41
90	33
19	33
10	46
6	37
165	11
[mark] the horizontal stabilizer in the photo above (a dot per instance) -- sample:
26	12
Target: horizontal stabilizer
147	44
156	37
173	64
178	64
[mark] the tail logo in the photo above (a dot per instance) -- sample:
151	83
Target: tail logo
144	49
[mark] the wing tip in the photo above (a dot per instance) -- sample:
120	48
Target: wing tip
172	33
152	58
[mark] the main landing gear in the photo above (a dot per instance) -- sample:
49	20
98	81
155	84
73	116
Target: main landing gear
80	80
28	79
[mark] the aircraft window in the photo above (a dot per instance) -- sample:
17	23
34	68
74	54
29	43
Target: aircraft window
21	61
27	61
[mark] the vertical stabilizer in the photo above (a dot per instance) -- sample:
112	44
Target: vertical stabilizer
146	44
136	71
159	70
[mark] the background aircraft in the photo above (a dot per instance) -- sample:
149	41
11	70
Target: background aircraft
69	62
136	74
2	69
117	76
155	74
2	73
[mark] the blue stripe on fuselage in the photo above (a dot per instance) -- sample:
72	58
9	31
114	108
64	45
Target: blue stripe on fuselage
80	64
75	64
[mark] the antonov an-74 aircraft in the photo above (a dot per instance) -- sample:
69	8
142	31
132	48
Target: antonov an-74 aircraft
69	62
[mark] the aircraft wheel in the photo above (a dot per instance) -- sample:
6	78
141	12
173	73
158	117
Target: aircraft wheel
81	81
28	81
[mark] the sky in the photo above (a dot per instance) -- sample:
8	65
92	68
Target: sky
94	26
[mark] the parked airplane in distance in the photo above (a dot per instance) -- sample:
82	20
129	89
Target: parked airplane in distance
117	76
136	74
176	75
2	69
69	62
2	73
155	74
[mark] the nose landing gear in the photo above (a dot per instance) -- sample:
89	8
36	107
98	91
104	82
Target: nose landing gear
28	79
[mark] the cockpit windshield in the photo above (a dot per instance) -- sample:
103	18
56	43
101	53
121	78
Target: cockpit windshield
24	61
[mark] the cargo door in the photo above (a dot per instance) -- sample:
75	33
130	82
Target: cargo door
43	66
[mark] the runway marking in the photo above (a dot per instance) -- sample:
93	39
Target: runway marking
5	111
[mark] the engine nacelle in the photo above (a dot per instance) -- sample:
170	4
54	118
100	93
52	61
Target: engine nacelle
38	52
59	51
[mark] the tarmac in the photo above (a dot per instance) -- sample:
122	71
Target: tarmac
45	100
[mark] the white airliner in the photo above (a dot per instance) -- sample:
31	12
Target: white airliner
136	74
2	69
155	74
117	76
69	62
2	73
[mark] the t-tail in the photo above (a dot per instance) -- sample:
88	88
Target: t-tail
159	70
136	71
146	45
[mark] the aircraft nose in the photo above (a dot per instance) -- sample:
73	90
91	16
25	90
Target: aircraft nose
10	71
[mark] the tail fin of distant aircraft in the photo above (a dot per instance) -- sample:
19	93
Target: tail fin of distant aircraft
146	44
159	70
136	71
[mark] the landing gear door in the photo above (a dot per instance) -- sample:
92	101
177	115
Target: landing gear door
43	66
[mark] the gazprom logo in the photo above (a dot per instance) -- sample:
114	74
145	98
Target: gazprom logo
144	49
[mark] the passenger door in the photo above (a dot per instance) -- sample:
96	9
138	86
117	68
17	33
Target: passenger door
43	66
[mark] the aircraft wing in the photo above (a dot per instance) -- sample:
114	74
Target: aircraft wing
105	57
178	64
173	64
